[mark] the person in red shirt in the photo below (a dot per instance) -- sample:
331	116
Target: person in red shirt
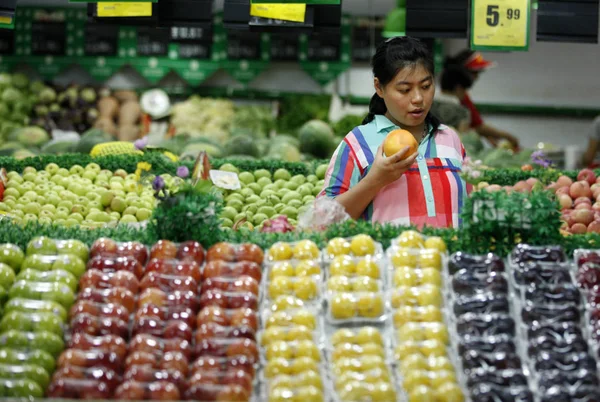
474	64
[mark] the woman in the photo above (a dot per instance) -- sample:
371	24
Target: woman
474	64
420	189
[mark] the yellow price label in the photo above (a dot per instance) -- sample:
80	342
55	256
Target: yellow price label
5	20
286	12
124	9
500	24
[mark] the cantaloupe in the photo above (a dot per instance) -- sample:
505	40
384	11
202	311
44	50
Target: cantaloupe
398	139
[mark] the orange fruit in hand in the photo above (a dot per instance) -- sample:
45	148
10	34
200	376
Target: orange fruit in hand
398	139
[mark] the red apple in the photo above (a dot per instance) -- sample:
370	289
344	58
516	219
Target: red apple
492	188
250	252
584	216
191	251
133	249
583	206
582	200
522	187
578	228
563	190
596	206
564	181
152	296
104	247
233	393
596	193
552	187
577	190
594	227
565	201
221	251
587	175
163	249
531	181
163	391
212	314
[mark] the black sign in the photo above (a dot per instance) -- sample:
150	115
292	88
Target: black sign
284	47
366	35
101	39
324	47
7	41
243	45
153	41
48	38
194	42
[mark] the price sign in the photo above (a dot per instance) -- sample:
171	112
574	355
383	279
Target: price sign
500	24
284	47
243	46
132	9
7	42
101	39
152	41
286	12
48	38
193	42
308	2
323	48
367	33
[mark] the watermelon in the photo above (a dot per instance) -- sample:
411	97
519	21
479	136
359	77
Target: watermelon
242	145
58	147
285	152
91	138
30	136
316	138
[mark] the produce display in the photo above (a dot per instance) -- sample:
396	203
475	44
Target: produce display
86	196
264	196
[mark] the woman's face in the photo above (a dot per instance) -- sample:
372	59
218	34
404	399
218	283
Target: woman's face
408	97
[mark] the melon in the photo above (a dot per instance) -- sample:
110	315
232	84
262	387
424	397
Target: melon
316	138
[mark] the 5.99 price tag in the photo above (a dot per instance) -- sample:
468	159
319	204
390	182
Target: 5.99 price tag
500	24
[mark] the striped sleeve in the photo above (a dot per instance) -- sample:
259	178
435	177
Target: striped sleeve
342	173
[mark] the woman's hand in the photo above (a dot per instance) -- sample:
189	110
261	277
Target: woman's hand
386	170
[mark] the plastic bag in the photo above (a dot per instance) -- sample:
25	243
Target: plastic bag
324	212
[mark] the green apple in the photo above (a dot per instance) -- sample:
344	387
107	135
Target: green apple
316	190
100	216
252	199
128	219
76	188
226	222
131	176
305	189
120	173
13	192
16	212
4	207
268	211
62	212
229	212
131	186
238	217
264	181
292	195
115	185
94	167
295	203
7	276
143	214
46	214
14	183
115	215
147	205
76	170
56	179
30	195
52	168
44	220
246	192
73	247
60	220
41	245
311	178
282	174
42	189
32	208
259	218
48	341
106	198
70	263
77	216
290	212
95	205
69	196
260	173
252	208
271	187
118	204
30	177
27	186
246	177
236	204
130	211
41	180
308	199
89	175
65	204
228	167
291	185
38	262
14	176
255	187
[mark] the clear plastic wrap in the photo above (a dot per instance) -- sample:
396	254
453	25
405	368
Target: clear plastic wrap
150	374
342	283
232	376
218	363
58	292
369	266
168	283
168	329
405	314
241	317
292	350
523	253
58	275
116	295
294	268
358	307
427	295
110	343
243	283
25	371
286	334
153	344
217	392
102	374
175	267
303	250
94	358
105	247
31	322
65	262
306	386
306	288
46	246
11	255
99	325
482	303
20	388
415	258
281	366
161	299
228	300
220	269
235	253
187	251
172	360
421	331
113	264
411	277
323	212
139	391
98	310
169	313
414	239
37	357
534	273
481	264
465	282
44	340
361	245
212	330
227	347
97	279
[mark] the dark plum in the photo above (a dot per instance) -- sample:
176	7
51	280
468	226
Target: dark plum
485	325
554	313
483	303
490	344
526	253
533	274
567	293
500	360
501	378
466	282
484	392
550	360
549	379
480	263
